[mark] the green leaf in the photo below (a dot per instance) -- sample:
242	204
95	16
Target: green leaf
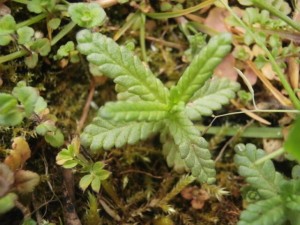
97	167
192	147
41	46
172	155
87	14
32	60
28	97
54	23
10	114
134	111
201	68
55	138
7	27
266	212
212	96
96	184
104	134
64	50
291	144
85	181
7	202
63	156
38	6
70	164
40	105
263	176
121	65
25	34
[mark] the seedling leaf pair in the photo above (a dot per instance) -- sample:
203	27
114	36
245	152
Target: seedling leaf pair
146	106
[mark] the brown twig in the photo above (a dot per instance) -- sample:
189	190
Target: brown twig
86	106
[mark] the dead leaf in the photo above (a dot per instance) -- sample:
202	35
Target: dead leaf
6	179
293	72
250	75
226	68
216	19
267	70
277	94
18	155
25	181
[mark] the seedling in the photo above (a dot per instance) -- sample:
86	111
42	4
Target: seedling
146	107
276	199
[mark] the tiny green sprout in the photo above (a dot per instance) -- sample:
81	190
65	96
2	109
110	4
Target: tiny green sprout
70	157
67	50
96	175
87	15
7	28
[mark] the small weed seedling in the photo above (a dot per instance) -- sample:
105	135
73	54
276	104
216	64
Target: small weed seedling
275	200
145	106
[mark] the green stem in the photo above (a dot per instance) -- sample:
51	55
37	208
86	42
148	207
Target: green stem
32	20
276	12
25	2
249	132
275	66
13	56
183	12
63	32
272	155
142	37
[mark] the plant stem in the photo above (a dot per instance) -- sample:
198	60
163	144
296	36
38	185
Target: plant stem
182	12
276	12
142	37
63	32
272	155
275	66
25	2
13	56
249	132
32	20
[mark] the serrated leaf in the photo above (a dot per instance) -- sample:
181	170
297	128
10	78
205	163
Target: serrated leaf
201	68
267	212
212	96
104	134
121	65
192	147
263	176
172	155
87	14
134	111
